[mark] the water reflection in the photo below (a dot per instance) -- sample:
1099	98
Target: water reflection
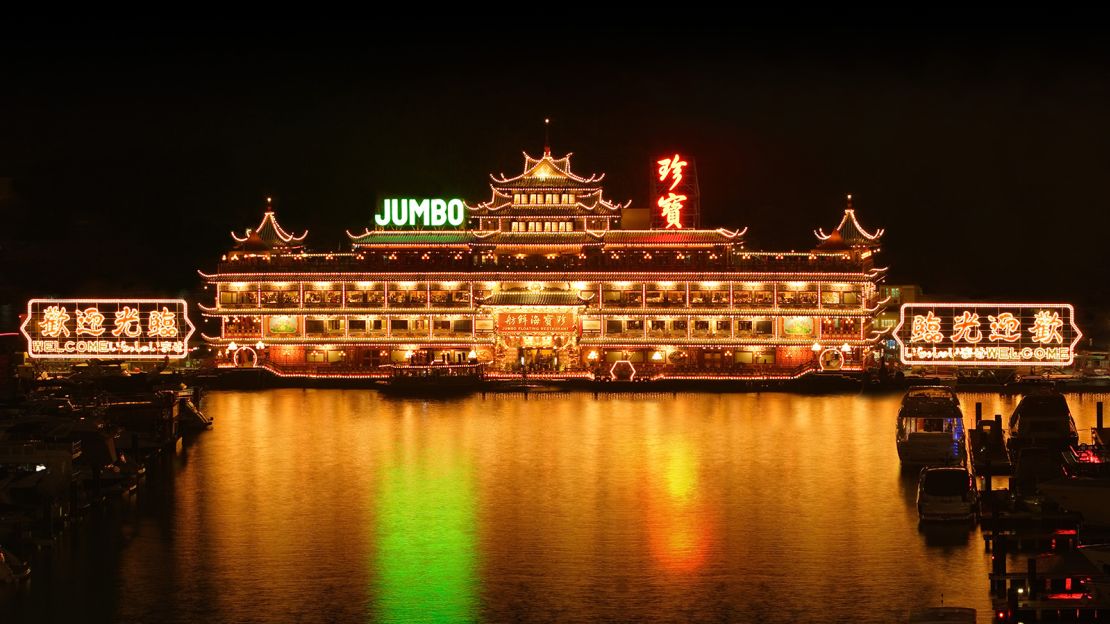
329	506
425	533
679	521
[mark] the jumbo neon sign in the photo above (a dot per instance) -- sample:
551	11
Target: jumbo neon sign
994	334
421	213
120	329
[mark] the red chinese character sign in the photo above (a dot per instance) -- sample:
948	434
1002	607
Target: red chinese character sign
995	334
116	329
536	322
675	195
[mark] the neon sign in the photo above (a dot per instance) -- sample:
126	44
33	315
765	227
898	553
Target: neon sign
523	322
996	334
676	193
123	329
421	213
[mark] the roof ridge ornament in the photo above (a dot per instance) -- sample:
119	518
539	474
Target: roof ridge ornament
280	234
850	229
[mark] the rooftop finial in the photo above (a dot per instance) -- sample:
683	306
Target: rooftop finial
849	201
269	204
546	136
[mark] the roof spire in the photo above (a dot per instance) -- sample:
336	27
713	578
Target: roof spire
546	136
849	201
269	204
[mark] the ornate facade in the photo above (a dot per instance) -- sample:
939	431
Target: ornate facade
543	278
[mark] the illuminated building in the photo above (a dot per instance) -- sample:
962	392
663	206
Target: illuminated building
542	276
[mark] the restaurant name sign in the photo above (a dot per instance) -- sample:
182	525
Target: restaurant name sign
421	213
121	329
535	322
980	334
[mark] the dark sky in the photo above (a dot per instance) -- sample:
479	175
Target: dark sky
134	150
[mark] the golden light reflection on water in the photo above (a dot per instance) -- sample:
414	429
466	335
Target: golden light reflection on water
316	506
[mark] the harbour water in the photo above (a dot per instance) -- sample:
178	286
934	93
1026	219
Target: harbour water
348	506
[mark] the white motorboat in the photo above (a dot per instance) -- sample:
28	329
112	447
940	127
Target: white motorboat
947	493
931	428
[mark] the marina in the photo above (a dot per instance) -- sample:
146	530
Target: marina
653	504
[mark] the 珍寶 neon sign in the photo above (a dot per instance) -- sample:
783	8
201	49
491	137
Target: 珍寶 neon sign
421	213
119	329
671	204
982	334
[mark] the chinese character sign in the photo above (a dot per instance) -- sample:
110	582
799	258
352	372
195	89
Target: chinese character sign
119	329
977	334
536	322
675	193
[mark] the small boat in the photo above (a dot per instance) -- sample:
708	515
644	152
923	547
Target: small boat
1086	486
1042	419
931	428
947	493
435	378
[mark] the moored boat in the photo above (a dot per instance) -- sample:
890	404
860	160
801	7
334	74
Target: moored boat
435	378
930	428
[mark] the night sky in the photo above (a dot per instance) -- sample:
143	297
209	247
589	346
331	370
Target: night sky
128	153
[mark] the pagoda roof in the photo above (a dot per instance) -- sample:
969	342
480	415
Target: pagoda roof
548	173
719	236
560	298
270	232
834	242
501	237
411	237
851	232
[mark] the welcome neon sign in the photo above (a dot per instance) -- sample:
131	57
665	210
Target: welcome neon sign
121	329
995	334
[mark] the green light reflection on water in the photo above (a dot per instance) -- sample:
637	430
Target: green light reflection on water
426	544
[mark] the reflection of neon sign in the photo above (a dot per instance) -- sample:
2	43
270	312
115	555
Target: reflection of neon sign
1002	334
421	213
140	328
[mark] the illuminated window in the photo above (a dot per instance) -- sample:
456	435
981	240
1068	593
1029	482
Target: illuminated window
572	200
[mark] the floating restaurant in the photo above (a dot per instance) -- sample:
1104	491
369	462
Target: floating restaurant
551	278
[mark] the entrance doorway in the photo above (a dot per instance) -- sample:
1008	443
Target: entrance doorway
539	359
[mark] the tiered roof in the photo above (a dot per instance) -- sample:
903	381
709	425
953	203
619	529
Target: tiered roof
499	238
548	174
268	235
849	233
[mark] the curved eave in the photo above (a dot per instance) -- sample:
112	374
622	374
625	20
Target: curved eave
220	312
354	342
761	312
656	276
721	342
